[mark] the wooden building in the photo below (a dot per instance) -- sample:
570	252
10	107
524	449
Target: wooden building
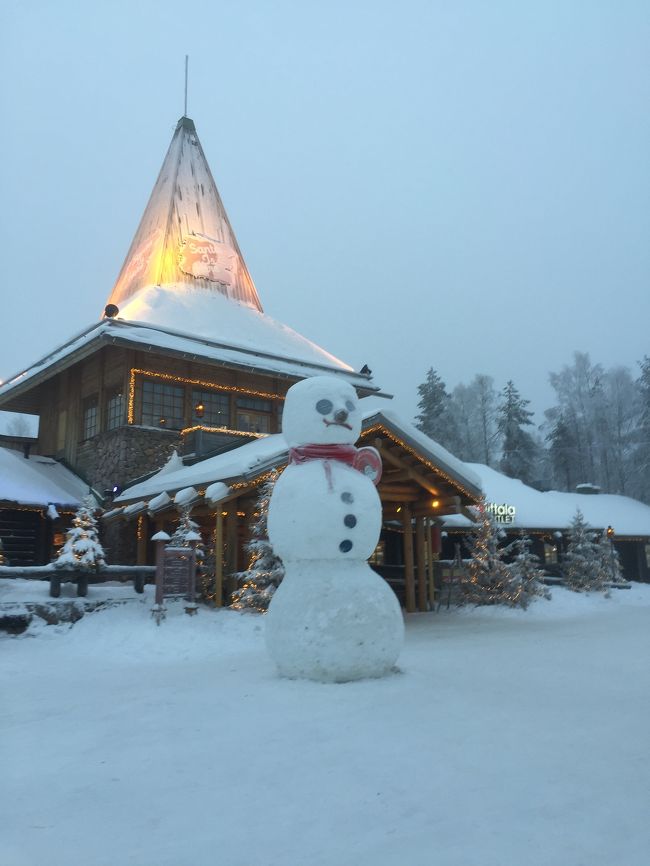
185	361
546	518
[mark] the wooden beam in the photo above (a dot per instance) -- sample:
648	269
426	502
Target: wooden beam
389	496
407	464
421	563
406	489
218	560
409	577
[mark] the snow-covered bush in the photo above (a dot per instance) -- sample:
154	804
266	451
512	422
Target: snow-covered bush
265	570
82	549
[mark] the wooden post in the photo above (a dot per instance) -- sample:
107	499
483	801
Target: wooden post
433	556
421	564
409	577
218	560
231	543
141	531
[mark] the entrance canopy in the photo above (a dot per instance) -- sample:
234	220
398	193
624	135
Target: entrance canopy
418	474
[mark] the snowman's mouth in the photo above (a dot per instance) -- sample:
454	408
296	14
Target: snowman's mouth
336	424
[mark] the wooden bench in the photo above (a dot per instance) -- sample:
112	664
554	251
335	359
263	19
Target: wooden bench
137	573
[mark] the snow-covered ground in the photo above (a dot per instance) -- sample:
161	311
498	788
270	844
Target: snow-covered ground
509	738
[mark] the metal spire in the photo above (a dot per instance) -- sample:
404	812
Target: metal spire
186	64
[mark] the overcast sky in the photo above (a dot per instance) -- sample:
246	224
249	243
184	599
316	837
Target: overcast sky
414	184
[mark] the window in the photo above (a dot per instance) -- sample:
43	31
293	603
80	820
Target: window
89	418
550	554
211	408
163	405
257	417
115	411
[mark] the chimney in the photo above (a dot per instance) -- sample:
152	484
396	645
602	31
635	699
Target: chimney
588	489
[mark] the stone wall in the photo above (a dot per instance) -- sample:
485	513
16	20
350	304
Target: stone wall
120	456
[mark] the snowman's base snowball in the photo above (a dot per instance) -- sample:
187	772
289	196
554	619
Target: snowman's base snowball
334	622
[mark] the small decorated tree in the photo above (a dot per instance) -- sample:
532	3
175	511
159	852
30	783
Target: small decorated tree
488	579
265	570
527	576
186	533
82	549
582	563
610	563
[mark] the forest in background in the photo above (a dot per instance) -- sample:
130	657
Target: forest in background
597	431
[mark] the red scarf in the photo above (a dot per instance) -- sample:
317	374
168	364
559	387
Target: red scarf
356	458
342	453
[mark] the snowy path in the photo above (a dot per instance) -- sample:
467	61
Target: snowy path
511	738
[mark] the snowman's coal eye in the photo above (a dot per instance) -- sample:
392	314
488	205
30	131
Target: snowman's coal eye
349	405
324	407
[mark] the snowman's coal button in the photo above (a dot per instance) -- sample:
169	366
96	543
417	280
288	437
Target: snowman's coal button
347	497
350	520
345	546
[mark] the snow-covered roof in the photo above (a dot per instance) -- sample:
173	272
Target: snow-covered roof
38	481
555	509
239	337
185	236
246	460
19	425
251	459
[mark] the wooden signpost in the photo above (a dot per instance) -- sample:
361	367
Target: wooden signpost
175	576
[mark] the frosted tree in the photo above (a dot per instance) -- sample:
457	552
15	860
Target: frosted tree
610	563
436	418
527	576
563	449
265	570
640	459
488	579
582	562
518	450
82	549
187	534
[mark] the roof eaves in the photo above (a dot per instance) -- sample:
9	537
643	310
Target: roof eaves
18	383
458	480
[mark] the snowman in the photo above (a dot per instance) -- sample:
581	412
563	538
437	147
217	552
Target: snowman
332	618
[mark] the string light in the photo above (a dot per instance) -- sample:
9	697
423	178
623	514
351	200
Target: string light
183	380
227	430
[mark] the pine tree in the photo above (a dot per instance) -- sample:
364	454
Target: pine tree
641	454
563	449
488	579
265	570
610	563
582	562
186	533
527	576
82	549
517	445
436	418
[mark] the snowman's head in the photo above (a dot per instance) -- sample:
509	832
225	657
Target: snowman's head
321	411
